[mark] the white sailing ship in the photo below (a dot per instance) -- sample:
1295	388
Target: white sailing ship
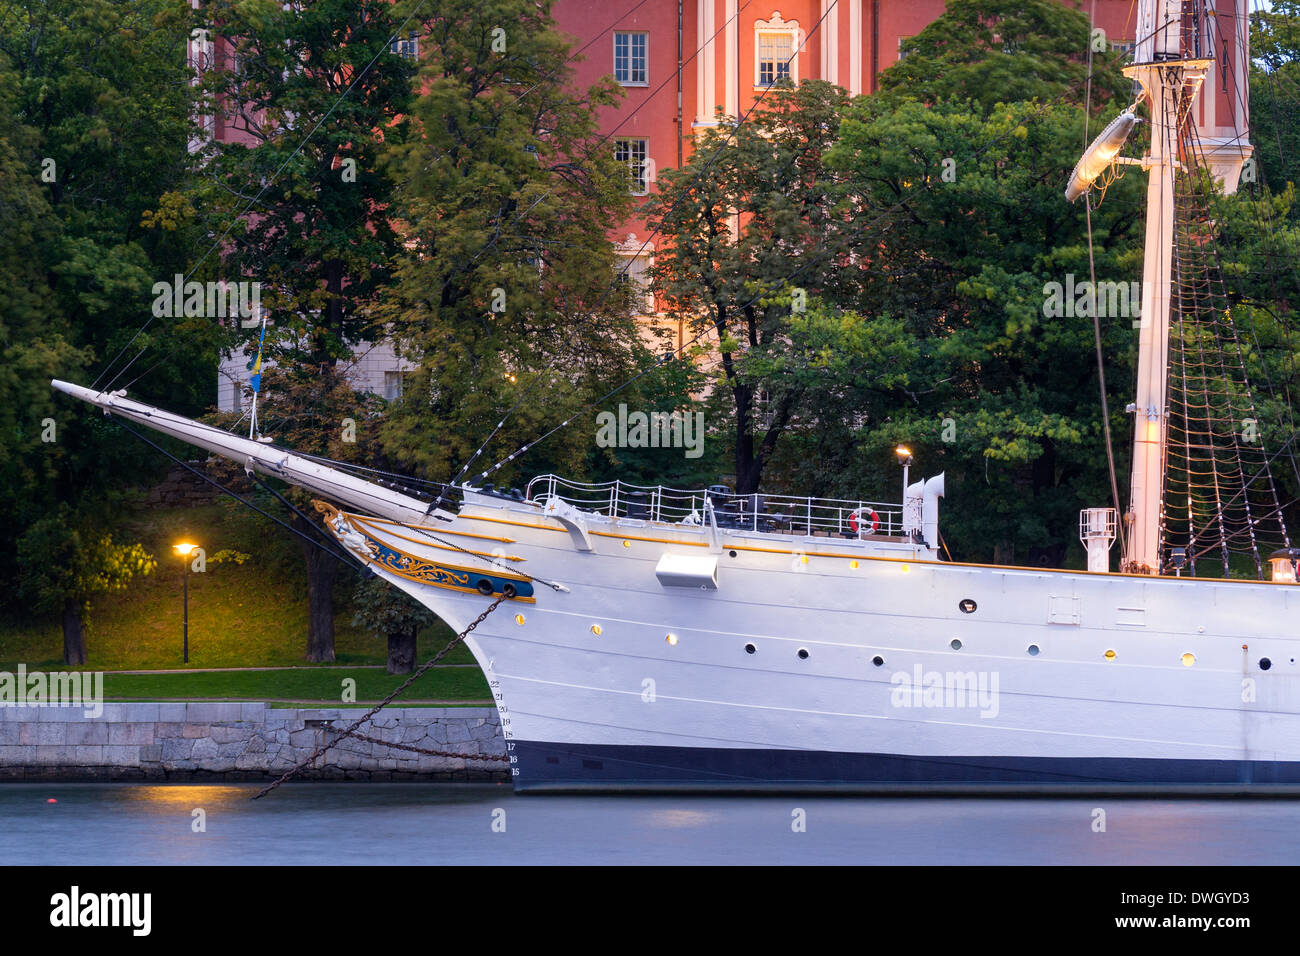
656	638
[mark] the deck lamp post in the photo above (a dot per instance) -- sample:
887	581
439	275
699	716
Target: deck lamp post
904	455
185	549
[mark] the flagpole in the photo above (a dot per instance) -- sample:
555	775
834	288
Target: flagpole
256	380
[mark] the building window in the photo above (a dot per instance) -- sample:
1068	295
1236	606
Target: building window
633	274
630	67
201	50
201	57
902	51
392	386
634	153
407	48
775	57
776	46
1126	46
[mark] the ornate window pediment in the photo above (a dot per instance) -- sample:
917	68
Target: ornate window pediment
776	50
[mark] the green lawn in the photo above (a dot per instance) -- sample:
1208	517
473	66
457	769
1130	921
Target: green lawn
249	615
299	684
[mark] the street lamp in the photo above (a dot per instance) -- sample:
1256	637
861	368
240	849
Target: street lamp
904	455
185	549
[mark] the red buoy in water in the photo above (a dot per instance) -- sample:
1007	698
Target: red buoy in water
51	800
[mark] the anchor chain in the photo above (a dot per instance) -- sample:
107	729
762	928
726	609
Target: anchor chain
352	730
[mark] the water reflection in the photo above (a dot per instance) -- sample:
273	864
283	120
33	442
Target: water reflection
347	823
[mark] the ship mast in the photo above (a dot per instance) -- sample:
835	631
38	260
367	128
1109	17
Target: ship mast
1171	82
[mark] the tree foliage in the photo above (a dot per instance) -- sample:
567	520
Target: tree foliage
66	562
94	120
508	192
310	92
387	612
756	231
988	52
920	226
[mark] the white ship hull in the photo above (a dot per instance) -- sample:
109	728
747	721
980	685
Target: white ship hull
1019	692
873	666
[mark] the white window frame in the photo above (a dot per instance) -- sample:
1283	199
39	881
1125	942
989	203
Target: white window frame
776	26
394	384
200	57
645	58
407	47
628	253
643	159
901	52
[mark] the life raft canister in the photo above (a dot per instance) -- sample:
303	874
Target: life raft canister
855	519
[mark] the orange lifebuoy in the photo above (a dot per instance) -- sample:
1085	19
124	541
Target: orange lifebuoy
855	519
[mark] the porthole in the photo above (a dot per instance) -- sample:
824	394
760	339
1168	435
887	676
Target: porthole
803	653
955	644
967	606
1189	659
878	661
627	544
853	565
484	586
595	629
1265	663
1033	650
519	619
671	639
750	648
732	553
1109	655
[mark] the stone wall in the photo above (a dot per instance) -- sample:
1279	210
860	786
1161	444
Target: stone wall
244	741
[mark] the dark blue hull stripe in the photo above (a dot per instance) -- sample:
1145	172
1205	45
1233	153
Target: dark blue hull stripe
555	766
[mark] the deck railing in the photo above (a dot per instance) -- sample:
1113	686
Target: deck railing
773	513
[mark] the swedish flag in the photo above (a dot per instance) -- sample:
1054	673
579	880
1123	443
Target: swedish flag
256	364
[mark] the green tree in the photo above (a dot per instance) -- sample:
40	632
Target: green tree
107	93
62	570
94	122
919	228
757	231
309	112
34	335
1002	51
1274	92
507	195
387	612
1003	393
314	93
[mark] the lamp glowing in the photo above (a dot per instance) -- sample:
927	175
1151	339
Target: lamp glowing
904	455
1100	154
183	550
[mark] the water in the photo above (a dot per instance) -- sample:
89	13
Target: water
318	823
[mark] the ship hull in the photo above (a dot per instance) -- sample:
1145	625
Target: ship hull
565	767
824	664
